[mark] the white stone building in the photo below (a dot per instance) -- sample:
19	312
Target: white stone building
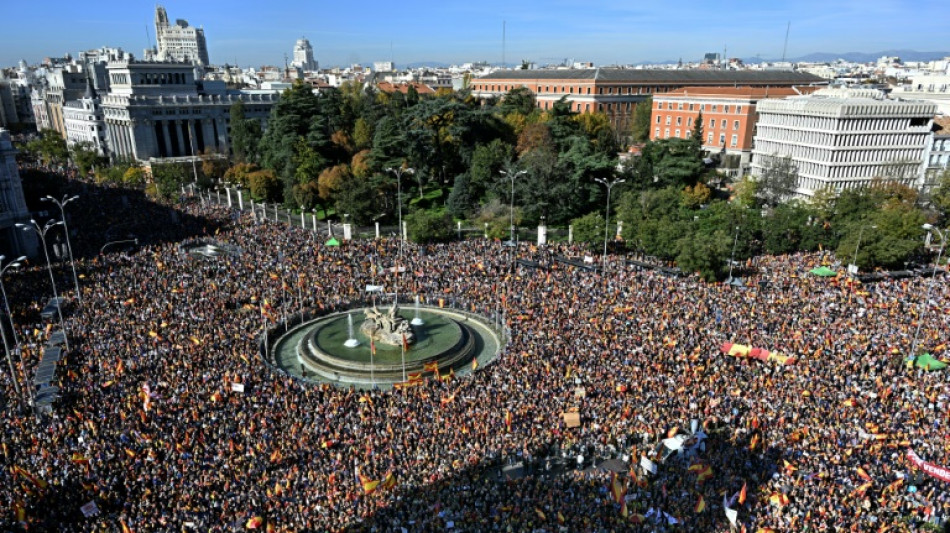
844	138
84	121
933	88
13	242
303	56
159	110
179	41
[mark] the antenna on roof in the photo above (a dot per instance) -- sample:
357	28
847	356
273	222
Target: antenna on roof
503	28
148	37
785	48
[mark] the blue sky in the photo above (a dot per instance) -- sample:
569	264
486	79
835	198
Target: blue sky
256	32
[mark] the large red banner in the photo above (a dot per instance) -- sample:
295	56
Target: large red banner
938	472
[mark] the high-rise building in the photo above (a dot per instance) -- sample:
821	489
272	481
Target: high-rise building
844	138
303	55
179	42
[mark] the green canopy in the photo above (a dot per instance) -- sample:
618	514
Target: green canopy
333	242
823	272
927	362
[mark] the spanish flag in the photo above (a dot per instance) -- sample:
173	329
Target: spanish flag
125	527
508	419
33	479
431	367
19	511
274	276
79	459
474	364
560	518
254	523
616	488
779	499
742	493
389	481
415	376
369	485
700	504
862	473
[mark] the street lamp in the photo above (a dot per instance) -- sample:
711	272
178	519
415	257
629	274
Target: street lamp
62	205
13	264
854	261
399	172
610	185
511	208
930	287
732	258
41	233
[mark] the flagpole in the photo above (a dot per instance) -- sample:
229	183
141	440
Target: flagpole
403	358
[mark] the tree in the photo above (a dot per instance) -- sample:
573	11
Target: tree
589	228
134	176
640	125
424	226
332	180
361	199
696	195
85	156
265	185
746	192
461	202
496	215
240	173
698	131
519	100
778	180
168	179
940	194
244	134
50	146
213	167
704	253
675	161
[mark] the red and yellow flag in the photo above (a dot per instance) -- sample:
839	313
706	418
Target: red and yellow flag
431	367
700	504
743	493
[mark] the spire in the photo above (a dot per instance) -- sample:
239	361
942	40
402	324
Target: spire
90	90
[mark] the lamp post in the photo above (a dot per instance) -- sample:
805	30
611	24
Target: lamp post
398	173
13	264
62	205
857	246
923	312
511	207
610	185
41	233
732	258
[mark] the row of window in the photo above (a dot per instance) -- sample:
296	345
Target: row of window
689	122
712	108
568	89
836	124
710	139
840	157
865	140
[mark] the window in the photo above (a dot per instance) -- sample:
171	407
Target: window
722	139
709	139
681	105
669	118
725	109
690	107
702	107
735	141
714	108
712	123
738	109
689	134
689	121
659	105
677	133
657	133
735	124
658	119
679	121
666	133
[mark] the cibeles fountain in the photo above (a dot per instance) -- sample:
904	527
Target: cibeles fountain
388	347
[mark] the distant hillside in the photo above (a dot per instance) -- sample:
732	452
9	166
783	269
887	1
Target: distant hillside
859	57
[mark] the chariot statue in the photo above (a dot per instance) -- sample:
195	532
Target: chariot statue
388	327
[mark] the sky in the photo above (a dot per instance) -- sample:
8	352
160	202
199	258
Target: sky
260	32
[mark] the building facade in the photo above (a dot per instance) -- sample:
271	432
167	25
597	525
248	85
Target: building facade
615	91
303	56
158	110
844	138
13	241
729	116
84	121
179	41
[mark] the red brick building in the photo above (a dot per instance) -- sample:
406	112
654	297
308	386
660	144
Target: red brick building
729	115
615	91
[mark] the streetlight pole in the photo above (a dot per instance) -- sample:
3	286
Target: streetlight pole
398	173
41	233
3	333
511	207
62	211
732	258
925	304
610	186
857	246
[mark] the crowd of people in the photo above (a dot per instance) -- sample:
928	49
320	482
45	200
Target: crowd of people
152	429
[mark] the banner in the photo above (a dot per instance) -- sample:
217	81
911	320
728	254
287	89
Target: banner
647	465
933	470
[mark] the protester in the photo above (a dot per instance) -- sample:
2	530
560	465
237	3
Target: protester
151	429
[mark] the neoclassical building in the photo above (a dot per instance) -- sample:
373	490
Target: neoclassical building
159	109
844	138
13	242
84	122
179	41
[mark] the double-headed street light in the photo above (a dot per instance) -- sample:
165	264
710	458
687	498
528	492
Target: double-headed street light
41	233
925	304
398	172
13	264
62	205
511	207
610	185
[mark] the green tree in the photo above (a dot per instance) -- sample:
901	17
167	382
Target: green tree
495	214
168	179
589	228
674	161
134	176
84	154
361	199
698	131
265	185
695	196
50	146
705	253
424	226
461	202
240	173
245	134
778	180
640	125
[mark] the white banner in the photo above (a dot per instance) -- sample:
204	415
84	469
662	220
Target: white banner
931	469
237	387
647	465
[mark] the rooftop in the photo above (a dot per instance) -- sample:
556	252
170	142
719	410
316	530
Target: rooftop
724	77
737	92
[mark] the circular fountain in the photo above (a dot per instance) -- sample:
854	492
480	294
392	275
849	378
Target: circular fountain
388	347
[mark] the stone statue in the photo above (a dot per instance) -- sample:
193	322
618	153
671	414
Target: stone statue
388	328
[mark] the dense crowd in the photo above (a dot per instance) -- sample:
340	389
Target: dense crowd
151	429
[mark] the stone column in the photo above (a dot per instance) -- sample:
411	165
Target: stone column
192	141
168	140
180	133
132	145
208	132
222	139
